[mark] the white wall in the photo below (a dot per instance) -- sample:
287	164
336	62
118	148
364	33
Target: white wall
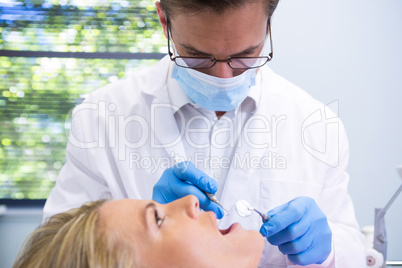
15	226
351	51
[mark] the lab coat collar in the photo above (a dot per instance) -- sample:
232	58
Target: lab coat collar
255	91
154	78
177	96
164	127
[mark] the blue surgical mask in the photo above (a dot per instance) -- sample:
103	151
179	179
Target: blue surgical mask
214	93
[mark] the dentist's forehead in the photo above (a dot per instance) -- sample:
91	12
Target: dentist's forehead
235	32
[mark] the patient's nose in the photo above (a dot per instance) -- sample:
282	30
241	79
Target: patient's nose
191	206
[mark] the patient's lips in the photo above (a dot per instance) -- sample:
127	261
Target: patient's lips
233	228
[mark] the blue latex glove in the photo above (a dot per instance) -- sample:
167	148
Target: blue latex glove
300	230
185	179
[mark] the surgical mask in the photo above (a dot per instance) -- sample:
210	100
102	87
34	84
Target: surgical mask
214	93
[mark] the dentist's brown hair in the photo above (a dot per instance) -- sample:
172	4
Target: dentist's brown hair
172	7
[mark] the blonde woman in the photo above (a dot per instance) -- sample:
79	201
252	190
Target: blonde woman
140	233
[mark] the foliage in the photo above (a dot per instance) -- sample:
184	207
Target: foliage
36	94
84	26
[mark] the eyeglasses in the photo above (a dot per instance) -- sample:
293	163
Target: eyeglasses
208	62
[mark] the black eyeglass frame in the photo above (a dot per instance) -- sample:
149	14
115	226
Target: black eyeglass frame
214	60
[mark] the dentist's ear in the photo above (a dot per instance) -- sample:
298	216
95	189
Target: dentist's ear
162	17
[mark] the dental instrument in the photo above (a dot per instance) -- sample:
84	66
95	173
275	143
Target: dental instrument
380	240
215	200
210	196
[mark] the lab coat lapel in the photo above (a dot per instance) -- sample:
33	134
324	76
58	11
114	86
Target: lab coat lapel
165	133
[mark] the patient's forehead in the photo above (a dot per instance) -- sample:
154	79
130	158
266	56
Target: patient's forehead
118	210
125	219
116	215
123	204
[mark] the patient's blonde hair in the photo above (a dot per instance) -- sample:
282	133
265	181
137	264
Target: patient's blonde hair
77	239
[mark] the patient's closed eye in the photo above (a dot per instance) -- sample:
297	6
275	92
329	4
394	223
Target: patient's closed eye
158	219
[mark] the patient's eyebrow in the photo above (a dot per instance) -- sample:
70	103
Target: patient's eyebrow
149	205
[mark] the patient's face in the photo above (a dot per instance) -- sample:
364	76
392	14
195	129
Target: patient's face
178	234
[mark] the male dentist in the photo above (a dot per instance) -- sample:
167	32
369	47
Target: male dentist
213	106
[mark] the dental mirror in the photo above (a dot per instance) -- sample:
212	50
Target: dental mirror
244	209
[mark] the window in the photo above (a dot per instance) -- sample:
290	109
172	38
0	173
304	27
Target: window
53	53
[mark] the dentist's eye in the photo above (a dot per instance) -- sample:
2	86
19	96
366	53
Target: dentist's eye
158	219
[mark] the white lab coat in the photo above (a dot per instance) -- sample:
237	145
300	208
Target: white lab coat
305	154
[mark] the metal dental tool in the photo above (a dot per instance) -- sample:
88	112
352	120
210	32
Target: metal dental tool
210	196
244	209
380	235
215	200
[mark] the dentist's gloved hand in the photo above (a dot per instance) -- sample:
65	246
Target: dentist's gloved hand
300	230
185	179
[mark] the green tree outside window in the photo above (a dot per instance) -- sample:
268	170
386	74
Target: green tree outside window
37	93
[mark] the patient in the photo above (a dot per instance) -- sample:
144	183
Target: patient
139	233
